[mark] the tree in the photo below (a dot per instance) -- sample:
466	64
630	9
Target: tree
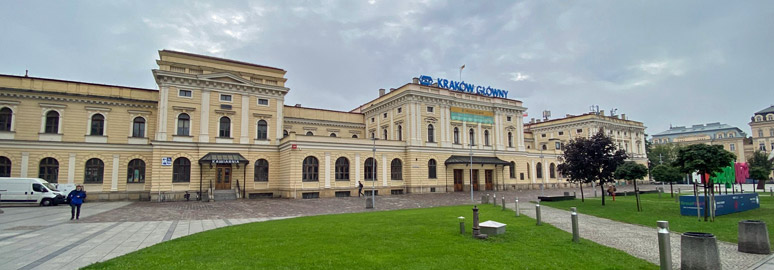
663	153
667	173
632	171
588	160
760	167
704	159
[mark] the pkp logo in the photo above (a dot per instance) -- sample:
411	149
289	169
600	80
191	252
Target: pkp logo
425	80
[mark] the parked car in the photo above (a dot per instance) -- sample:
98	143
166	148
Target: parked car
28	191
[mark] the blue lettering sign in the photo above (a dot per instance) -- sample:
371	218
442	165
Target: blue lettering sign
463	87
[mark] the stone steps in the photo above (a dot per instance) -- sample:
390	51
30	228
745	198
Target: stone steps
224	195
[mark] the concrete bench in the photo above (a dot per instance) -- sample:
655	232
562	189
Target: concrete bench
492	227
555	198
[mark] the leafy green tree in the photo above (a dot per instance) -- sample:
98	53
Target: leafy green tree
705	159
663	153
667	173
632	171
760	168
588	160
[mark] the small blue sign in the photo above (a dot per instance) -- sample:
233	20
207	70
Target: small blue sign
166	161
463	87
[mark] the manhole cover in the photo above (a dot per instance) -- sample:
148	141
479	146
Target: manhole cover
27	228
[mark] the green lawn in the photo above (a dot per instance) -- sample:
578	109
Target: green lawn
405	239
624	209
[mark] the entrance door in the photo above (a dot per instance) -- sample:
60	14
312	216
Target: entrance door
458	180
488	179
475	180
224	176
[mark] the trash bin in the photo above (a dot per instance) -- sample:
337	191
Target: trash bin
753	237
699	251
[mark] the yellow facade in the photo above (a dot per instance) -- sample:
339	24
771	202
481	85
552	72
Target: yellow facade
208	107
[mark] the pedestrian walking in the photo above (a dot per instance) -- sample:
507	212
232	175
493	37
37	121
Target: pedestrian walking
76	198
611	191
360	189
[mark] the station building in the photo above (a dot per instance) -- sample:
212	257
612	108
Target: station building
219	125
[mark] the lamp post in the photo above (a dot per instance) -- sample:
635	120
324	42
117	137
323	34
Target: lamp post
471	169
373	174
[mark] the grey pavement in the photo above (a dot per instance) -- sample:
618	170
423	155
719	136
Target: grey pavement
637	240
766	264
45	238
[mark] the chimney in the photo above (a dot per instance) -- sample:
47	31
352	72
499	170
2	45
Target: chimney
623	116
298	105
415	80
602	112
381	92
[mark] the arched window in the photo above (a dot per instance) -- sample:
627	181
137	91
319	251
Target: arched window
539	170
510	139
400	132
94	171
512	169
396	170
183	124
310	169
370	169
225	127
431	169
49	169
545	147
333	135
6	116
770	117
486	137
456	135
472	137
181	170
552	170
430	133
730	135
309	133
136	171
384	134
52	122
284	133
138	127
342	169
354	136
262	133
97	125
5	167
261	173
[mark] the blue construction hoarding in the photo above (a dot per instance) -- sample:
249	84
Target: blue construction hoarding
724	204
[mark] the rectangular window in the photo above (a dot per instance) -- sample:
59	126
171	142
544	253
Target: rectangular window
429	109
400	110
372	119
341	194
385	115
732	147
184	93
543	135
396	192
561	133
226	98
508	118
263	101
310	195
579	130
521	176
558	145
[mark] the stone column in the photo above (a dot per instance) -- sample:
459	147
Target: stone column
384	171
244	133
25	164
71	169
204	124
326	170
357	170
280	128
114	173
161	126
519	132
534	171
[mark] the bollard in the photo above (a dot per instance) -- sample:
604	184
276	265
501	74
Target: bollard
573	195
537	213
659	192
574	217
503	199
699	251
462	224
476	230
369	203
625	193
771	192
487	198
753	237
595	193
664	245
483	199
517	206
494	200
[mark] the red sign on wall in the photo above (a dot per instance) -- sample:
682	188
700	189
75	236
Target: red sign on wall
294	146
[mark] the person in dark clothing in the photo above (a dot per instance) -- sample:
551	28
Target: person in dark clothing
76	198
360	189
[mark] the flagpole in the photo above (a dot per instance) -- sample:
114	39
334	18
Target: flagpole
462	67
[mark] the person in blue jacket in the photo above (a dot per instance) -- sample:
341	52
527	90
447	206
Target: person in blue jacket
76	198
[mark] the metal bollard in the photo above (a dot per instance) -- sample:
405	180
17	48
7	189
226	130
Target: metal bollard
574	217
462	224
517	206
494	200
537	214
771	192
503	201
487	199
664	245
660	190
595	193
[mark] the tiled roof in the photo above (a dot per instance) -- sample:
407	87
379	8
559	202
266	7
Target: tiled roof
697	129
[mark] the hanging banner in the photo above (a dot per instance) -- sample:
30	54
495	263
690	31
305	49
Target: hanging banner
471	115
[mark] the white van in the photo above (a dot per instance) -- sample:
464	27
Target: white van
29	190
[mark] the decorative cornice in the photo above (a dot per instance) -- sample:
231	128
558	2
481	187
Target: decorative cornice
303	121
78	98
203	81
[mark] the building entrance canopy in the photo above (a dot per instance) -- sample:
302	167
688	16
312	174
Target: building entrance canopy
476	160
223	158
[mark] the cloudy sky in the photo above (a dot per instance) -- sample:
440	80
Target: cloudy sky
660	62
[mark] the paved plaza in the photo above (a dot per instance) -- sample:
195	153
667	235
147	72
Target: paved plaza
45	238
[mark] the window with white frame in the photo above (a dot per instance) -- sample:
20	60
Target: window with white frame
225	98
184	93
263	102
